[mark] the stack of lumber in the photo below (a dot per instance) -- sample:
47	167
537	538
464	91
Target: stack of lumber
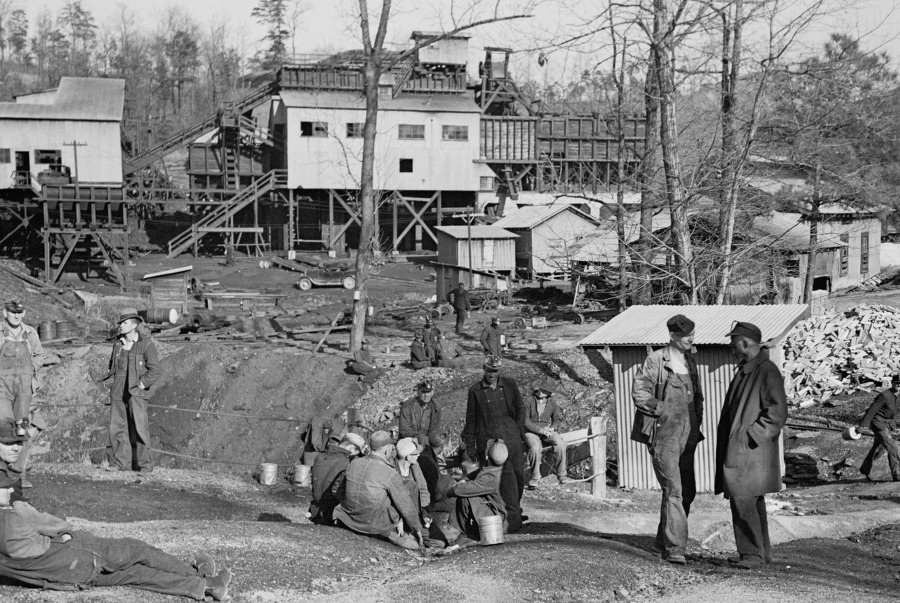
856	350
799	467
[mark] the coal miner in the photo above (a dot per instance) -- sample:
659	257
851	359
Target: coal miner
882	417
420	415
418	357
492	338
495	411
327	476
21	355
133	369
669	411
748	460
480	496
364	364
459	299
541	421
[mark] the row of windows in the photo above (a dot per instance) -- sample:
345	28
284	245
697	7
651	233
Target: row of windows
864	252
319	129
40	156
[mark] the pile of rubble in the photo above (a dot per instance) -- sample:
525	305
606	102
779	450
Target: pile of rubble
856	350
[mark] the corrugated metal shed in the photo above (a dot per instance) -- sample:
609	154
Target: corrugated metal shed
529	217
479	231
326	99
76	99
644	326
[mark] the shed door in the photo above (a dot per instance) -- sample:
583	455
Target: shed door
488	253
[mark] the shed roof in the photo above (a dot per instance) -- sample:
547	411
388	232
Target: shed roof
646	325
479	231
535	215
76	99
327	99
784	230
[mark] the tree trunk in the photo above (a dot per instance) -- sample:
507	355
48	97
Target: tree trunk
619	78
668	138
646	174
813	237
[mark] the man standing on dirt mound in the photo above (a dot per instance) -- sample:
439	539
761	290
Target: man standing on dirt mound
495	411
133	369
748	460
21	355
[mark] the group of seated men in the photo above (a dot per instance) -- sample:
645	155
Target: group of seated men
44	550
431	347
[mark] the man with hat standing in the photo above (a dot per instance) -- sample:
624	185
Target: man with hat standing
459	299
420	415
669	411
748	459
540	422
21	355
882	416
495	410
133	370
492	338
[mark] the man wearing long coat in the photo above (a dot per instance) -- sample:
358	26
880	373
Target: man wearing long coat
748	457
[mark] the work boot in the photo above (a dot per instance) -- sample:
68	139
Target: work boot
676	559
217	587
749	563
563	479
205	565
532	484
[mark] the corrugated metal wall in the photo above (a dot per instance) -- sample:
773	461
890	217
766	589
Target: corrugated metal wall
716	366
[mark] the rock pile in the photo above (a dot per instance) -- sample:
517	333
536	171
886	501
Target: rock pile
800	467
856	350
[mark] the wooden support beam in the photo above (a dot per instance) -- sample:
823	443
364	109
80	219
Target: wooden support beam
102	243
598	457
62	264
417	217
327	332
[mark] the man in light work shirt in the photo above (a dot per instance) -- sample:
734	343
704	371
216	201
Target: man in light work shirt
420	416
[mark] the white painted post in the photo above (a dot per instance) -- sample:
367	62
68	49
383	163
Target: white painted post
598	456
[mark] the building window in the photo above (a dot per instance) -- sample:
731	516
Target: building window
864	253
316	129
354	130
5	156
45	156
455	132
411	132
845	254
406	166
487	183
487	253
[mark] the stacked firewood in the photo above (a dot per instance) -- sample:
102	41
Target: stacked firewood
855	350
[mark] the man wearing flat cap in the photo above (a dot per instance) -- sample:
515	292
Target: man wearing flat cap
21	355
668	414
748	459
133	370
495	410
541	420
327	476
420	415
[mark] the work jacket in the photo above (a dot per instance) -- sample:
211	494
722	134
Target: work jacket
882	413
375	498
459	299
143	365
536	422
33	343
437	481
417	352
417	421
327	475
27	532
490	340
649	391
748	457
506	423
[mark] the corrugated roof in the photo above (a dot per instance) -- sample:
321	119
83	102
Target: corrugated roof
784	230
529	217
76	99
329	99
479	231
646	325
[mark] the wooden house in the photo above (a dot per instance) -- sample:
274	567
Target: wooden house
548	236
169	288
624	343
492	251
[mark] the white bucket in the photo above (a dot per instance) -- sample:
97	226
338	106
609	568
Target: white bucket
267	473
301	475
490	528
851	433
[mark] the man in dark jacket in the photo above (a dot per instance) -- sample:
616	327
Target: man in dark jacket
327	476
668	414
448	354
420	415
881	417
459	299
430	339
364	365
492	338
133	370
541	421
495	410
748	459
480	497
418	357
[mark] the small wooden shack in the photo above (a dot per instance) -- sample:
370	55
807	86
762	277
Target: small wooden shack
169	288
493	248
625	341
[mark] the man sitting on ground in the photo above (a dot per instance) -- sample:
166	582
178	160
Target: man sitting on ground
417	355
408	452
540	424
448	353
376	502
480	497
327	476
420	415
41	549
363	364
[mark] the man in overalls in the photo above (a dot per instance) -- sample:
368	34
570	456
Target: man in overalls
669	411
21	355
133	369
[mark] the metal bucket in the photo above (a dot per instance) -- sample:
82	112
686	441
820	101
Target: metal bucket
160	315
301	475
851	433
47	330
490	528
267	473
65	330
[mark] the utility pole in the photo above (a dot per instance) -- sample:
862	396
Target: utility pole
75	144
469	217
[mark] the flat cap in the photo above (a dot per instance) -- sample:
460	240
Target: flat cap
14	305
355	439
380	439
493	364
437	439
745	329
680	325
548	385
408	446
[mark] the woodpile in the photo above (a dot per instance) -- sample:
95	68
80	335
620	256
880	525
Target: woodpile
856	350
799	467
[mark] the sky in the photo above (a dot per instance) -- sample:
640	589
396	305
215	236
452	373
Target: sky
327	25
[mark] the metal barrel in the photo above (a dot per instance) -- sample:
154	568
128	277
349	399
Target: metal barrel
159	315
47	330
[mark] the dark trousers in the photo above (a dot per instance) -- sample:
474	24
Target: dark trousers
512	484
751	527
460	320
128	421
673	463
883	443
